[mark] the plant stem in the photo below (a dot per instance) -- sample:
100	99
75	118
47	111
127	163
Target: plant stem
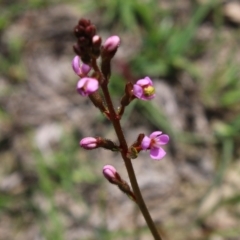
123	144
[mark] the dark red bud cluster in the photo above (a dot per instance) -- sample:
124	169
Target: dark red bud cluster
85	47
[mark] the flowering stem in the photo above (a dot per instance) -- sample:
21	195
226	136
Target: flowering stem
89	48
123	145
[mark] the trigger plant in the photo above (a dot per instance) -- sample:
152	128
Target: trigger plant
92	64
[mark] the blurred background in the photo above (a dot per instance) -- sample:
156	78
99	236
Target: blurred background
51	189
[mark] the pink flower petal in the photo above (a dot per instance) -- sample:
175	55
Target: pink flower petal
149	97
149	80
81	83
163	139
92	85
137	91
76	65
145	143
145	81
155	134
86	86
157	153
85	69
142	82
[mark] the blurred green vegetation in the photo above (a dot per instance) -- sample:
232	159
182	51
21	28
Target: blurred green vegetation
168	47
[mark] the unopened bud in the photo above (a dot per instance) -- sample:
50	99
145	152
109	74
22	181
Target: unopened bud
96	41
111	174
96	45
111	44
89	143
108	51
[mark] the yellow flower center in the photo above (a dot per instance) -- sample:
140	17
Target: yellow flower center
149	91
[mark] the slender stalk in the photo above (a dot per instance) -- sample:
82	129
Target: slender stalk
123	144
118	129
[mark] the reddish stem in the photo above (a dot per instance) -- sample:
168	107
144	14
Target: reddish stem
123	145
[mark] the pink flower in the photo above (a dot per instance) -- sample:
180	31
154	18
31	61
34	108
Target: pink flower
154	142
112	43
143	89
80	69
86	86
89	143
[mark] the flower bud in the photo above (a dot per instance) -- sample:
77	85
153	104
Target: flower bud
110	48
96	41
96	46
89	143
111	174
108	51
109	171
112	44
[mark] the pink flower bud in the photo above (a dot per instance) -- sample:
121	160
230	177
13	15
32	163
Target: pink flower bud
111	174
89	143
86	86
109	171
96	41
111	44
